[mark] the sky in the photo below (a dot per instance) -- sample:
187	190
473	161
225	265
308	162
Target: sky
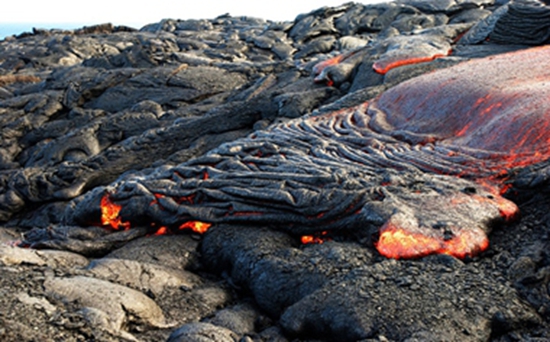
22	16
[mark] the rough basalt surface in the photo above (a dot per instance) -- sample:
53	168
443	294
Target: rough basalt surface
270	131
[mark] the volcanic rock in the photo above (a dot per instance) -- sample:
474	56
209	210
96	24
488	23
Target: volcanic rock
17	256
116	304
304	149
202	332
153	278
368	303
177	252
240	318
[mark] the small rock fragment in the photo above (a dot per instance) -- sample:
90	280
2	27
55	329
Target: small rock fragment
202	332
10	256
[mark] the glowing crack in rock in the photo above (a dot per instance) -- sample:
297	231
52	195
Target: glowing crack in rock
423	165
395	52
382	67
196	226
110	214
318	238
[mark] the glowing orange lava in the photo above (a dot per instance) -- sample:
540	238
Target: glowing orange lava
196	226
162	231
398	243
383	67
110	214
314	239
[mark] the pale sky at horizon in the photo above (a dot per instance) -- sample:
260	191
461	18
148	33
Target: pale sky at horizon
138	14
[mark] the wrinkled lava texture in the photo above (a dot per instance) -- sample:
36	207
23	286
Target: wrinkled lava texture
423	165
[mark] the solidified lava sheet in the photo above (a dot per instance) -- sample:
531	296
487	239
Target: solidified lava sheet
423	165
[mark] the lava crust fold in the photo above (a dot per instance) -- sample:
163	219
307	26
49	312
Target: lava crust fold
423	164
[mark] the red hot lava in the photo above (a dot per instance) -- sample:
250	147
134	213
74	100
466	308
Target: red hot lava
496	110
110	216
382	67
318	238
196	226
398	243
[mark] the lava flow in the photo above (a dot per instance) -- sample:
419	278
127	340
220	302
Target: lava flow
492	124
196	226
110	214
499	120
398	243
382	67
427	160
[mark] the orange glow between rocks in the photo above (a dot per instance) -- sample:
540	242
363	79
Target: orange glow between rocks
383	67
196	226
110	217
319	67
157	197
110	214
162	231
314	239
186	199
398	243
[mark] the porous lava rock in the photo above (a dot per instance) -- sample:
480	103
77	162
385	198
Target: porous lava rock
304	152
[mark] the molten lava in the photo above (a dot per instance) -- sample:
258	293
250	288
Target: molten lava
509	211
382	67
196	226
317	238
162	231
498	119
110	214
398	243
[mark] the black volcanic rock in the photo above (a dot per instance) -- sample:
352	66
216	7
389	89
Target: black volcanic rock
224	119
386	299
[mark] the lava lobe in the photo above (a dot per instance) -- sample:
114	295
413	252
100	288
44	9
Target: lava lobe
423	165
